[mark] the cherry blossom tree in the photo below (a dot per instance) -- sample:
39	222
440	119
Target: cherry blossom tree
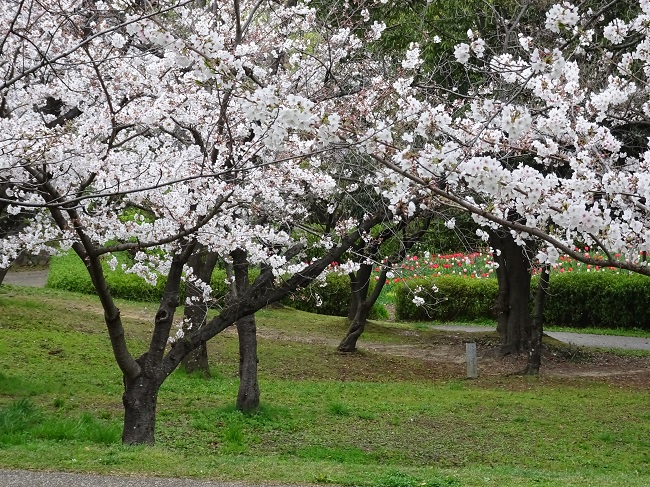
172	128
551	145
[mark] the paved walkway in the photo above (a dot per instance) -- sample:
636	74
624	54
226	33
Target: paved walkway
38	278
579	339
24	478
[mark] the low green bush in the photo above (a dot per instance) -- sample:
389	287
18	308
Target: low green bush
599	299
68	272
331	297
456	298
578	300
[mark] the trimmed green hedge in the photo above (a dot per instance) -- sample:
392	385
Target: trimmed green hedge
457	298
603	300
67	272
334	298
599	299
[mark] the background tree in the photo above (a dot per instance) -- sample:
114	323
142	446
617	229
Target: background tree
538	149
201	266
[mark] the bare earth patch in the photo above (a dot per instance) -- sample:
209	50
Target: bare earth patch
442	356
409	354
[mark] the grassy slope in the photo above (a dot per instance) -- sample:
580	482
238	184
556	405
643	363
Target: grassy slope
368	419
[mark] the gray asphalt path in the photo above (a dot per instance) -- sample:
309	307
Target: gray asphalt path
36	278
579	339
24	478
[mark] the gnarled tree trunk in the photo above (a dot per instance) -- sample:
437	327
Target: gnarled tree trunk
140	399
142	382
357	325
361	305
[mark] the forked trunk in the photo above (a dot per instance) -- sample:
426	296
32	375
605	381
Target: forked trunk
3	273
358	324
140	399
360	305
141	385
537	330
248	396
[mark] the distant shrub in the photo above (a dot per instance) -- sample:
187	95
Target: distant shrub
68	272
576	300
599	299
457	298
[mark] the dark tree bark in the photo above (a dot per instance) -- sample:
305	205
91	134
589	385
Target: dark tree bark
141	388
357	325
202	264
361	304
248	395
354	296
512	304
3	273
537	330
140	399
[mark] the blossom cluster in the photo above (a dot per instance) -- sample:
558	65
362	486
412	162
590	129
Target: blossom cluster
136	127
544	135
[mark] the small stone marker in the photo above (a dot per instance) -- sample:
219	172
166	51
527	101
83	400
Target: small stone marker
470	353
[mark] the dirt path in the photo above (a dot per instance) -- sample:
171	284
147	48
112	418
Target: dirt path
449	351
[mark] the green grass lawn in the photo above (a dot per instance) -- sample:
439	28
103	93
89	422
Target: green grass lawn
369	419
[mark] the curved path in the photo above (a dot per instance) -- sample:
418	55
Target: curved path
31	278
579	339
38	278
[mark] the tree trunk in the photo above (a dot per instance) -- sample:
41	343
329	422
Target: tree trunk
359	308
3	273
512	305
358	324
248	396
537	330
202	264
354	296
140	399
141	386
197	361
